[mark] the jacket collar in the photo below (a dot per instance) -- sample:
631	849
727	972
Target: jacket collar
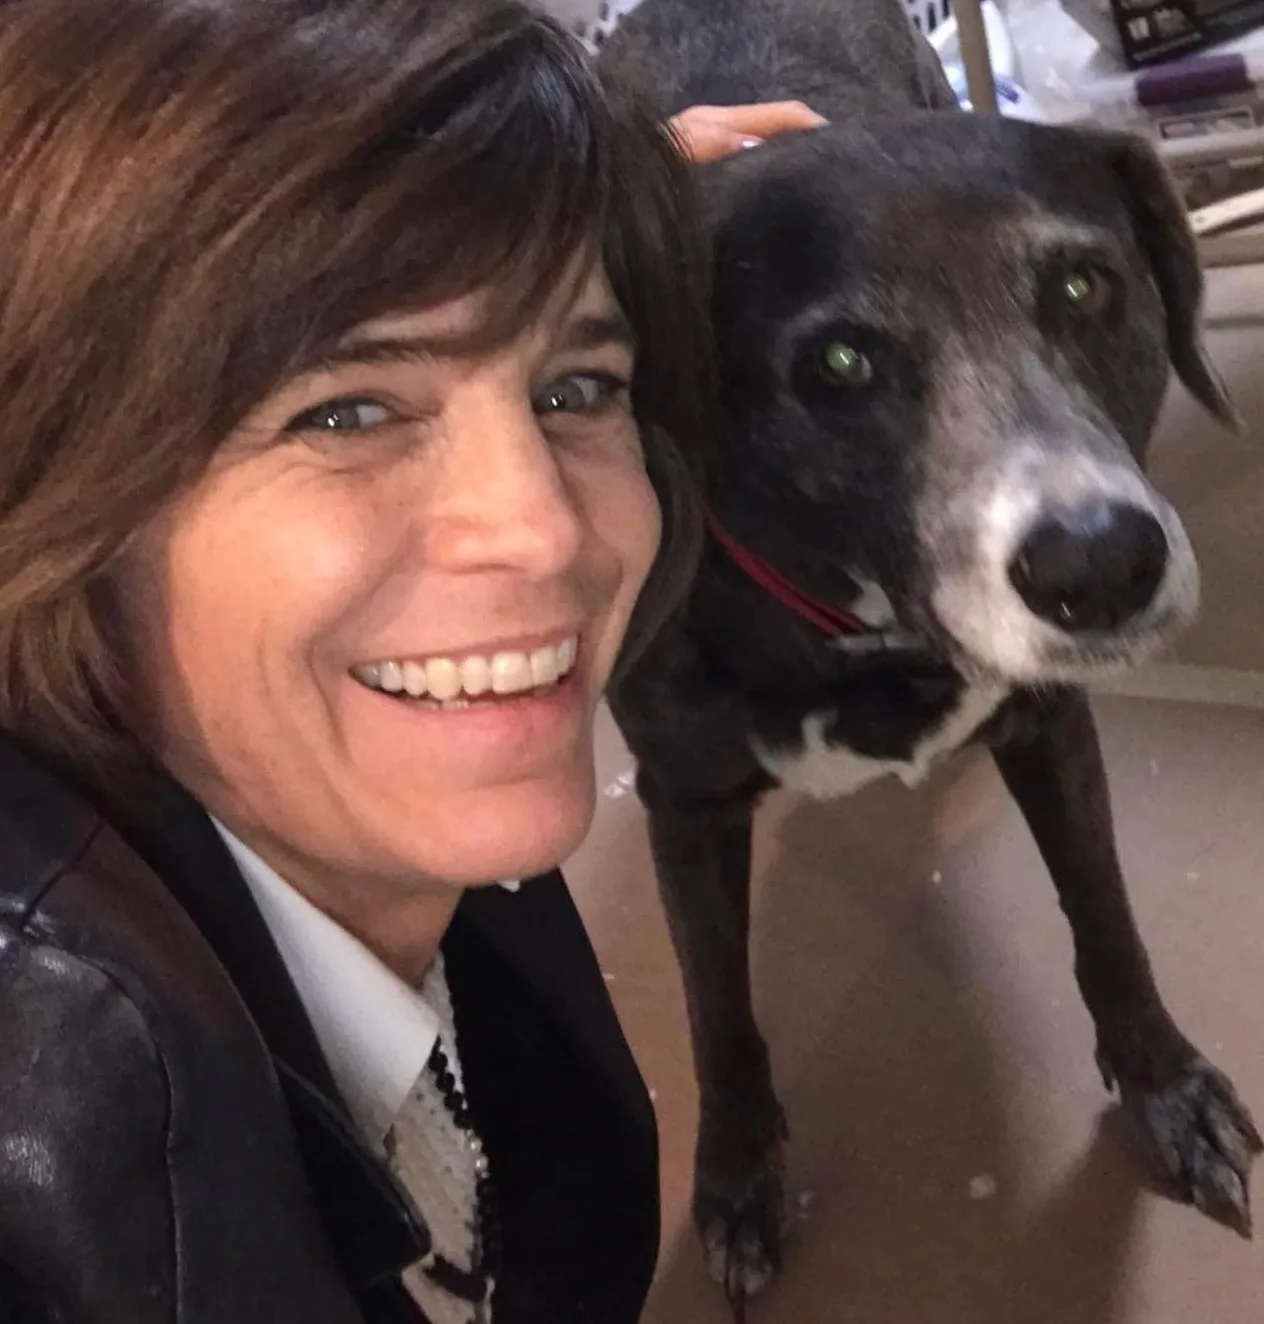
375	1228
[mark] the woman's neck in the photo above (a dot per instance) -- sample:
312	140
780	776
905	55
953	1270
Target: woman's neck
404	936
400	920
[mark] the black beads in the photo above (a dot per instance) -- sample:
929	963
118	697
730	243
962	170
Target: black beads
474	1284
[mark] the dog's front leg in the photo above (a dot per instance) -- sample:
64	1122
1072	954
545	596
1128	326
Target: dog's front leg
702	853
1201	1132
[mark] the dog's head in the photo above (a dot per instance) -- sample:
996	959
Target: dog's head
944	344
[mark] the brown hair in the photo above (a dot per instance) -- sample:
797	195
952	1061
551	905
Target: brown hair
198	199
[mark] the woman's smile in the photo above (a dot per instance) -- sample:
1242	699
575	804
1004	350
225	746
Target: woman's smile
453	680
513	710
506	736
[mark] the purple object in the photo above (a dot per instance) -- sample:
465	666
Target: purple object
1194	79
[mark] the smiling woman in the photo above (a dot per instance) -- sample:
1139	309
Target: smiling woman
346	347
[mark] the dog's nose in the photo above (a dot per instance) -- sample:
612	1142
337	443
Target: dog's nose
1091	567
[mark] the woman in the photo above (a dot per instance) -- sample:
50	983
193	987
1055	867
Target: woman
343	346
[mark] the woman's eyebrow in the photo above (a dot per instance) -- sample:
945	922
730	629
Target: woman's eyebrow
379	349
594	331
597	331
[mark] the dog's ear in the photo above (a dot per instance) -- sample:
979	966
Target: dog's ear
1161	226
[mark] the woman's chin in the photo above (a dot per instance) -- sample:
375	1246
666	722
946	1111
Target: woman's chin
506	833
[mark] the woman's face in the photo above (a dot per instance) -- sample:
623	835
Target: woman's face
375	633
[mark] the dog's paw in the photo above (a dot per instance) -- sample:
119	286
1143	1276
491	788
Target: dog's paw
742	1224
1204	1139
739	1207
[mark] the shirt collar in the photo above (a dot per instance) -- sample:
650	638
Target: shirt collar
375	1031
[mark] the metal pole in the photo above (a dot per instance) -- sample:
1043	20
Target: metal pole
975	57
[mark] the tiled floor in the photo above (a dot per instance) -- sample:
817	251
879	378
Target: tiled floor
914	979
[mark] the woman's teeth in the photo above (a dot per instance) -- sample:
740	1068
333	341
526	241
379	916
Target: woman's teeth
447	681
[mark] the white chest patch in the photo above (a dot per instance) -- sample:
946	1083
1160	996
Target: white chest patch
826	772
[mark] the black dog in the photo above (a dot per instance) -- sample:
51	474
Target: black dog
943	342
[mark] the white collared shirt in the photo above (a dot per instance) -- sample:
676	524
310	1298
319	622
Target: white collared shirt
376	1031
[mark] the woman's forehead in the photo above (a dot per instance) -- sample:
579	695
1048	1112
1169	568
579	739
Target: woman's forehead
584	297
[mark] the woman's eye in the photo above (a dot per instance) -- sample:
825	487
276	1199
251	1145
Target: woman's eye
842	364
580	392
353	414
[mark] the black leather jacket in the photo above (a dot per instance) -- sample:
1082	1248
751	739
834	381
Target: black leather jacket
173	1149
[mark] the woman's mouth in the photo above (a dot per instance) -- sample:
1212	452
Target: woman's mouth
455	683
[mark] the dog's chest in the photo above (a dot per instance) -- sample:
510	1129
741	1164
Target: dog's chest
824	769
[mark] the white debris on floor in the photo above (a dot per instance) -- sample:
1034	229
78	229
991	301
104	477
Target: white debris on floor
982	1187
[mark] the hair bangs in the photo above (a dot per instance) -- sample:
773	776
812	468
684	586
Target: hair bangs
523	207
510	202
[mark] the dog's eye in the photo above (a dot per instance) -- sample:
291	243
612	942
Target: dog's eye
844	365
1087	291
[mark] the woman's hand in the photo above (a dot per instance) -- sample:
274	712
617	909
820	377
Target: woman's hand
707	133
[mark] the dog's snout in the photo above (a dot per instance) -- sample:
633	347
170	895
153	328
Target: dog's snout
1092	566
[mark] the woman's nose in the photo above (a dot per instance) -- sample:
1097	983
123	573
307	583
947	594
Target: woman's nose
504	500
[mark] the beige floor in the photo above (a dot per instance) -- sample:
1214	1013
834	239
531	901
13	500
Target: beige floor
959	1160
